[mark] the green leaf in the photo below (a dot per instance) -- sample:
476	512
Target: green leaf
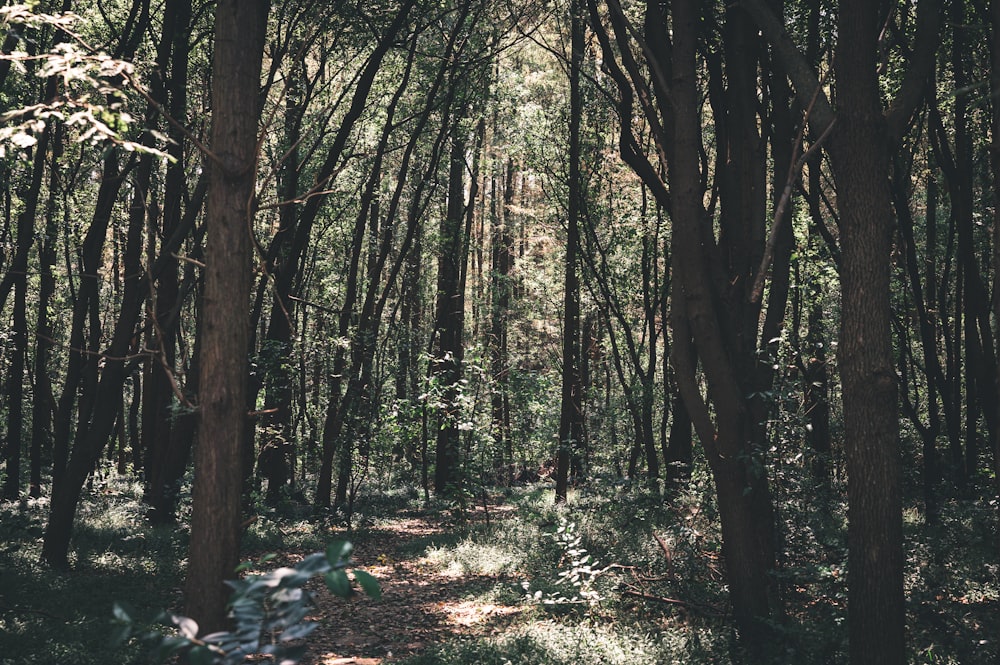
338	584
169	646
369	584
338	552
201	655
121	635
122	613
298	631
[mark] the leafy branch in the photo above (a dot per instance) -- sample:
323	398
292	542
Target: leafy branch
88	98
268	612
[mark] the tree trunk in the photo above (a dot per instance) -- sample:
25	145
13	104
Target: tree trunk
164	462
871	426
571	411
58	531
43	404
450	315
741	484
283	266
995	163
19	273
215	519
502	244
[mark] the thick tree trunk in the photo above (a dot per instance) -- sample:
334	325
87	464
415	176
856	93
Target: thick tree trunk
860	159
741	484
215	519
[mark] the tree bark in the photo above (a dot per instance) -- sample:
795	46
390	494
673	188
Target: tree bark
43	404
450	315
164	460
215	520
19	273
744	499
871	427
995	163
502	262
571	411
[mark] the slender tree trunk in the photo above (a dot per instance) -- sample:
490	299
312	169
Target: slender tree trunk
411	318
333	422
283	266
502	241
450	315
164	461
58	531
571	411
43	404
19	272
978	385
679	454
928	338
995	162
215	520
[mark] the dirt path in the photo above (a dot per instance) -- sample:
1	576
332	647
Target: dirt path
420	606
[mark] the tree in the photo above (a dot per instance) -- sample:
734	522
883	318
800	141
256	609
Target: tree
215	520
876	612
859	149
713	318
995	163
571	412
450	312
167	451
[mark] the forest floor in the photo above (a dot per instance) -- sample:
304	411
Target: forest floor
422	604
618	577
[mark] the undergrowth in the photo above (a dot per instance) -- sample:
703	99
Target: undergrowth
50	617
619	575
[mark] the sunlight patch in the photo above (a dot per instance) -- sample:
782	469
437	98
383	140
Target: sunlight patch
470	558
470	613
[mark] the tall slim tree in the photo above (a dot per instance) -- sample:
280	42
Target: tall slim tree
995	162
502	261
166	455
450	311
571	411
215	521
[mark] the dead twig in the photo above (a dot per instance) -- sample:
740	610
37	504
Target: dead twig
671	573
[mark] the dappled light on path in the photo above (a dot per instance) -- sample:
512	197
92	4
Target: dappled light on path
423	603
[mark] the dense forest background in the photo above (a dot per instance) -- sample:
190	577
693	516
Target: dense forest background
702	261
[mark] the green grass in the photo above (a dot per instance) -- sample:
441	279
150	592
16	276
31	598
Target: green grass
549	642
